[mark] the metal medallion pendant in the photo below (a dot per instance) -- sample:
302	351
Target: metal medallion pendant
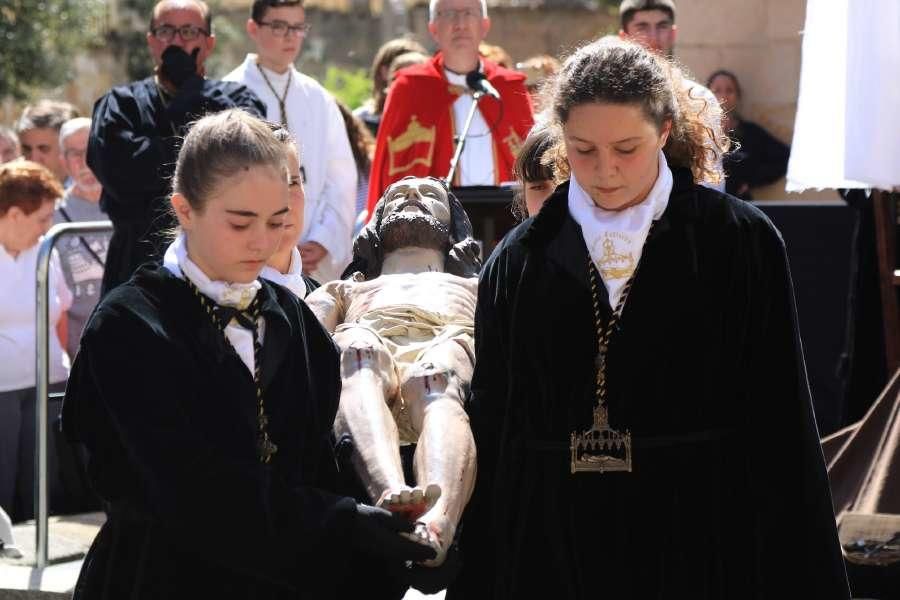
600	449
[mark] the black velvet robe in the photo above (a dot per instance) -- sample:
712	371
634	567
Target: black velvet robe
759	159
167	411
728	498
133	145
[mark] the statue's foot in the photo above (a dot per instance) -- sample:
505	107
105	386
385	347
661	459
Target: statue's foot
412	503
437	533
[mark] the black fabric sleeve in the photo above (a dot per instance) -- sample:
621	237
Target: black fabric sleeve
127	160
240	96
129	376
770	156
790	483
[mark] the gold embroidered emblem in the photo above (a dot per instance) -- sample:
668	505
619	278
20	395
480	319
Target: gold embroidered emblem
400	148
513	142
612	264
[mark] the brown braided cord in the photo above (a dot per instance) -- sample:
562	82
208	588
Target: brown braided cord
604	333
282	100
265	447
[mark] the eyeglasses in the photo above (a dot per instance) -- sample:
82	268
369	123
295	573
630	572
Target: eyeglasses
464	14
166	33
282	29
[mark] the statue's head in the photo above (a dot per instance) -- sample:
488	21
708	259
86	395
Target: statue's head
417	212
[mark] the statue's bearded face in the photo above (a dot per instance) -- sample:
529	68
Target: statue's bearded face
416	213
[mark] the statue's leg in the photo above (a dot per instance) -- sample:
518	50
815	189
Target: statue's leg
434	392
369	382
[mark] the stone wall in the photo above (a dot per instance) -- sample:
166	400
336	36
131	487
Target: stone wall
760	42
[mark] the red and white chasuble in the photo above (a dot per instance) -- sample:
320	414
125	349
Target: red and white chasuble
417	128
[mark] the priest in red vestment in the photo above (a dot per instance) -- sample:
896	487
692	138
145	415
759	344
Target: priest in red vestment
428	103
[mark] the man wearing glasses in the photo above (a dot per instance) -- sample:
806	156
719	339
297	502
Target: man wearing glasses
309	112
428	103
137	128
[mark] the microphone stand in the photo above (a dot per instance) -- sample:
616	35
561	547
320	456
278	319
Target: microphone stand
461	139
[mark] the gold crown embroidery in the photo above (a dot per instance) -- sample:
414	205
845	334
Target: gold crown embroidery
415	134
600	448
613	265
513	142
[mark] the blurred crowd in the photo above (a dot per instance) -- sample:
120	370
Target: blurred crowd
60	166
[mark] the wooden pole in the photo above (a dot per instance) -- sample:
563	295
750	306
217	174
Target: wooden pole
884	205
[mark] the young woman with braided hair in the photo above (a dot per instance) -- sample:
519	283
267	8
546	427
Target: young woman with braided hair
206	397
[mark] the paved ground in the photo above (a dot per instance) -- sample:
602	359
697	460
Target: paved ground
69	538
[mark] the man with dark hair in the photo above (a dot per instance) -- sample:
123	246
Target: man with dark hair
38	130
404	322
136	130
306	109
651	23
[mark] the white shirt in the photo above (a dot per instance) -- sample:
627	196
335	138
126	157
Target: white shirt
18	328
293	279
476	163
615	238
315	122
238	295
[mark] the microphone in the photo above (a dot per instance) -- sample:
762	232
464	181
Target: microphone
478	82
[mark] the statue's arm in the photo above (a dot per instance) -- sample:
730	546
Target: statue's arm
327	303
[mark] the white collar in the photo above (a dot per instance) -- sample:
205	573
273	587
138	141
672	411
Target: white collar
253	67
293	279
615	238
459	78
238	295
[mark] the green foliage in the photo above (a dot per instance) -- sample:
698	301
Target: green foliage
128	37
350	86
39	38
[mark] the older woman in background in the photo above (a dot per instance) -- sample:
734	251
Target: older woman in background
28	195
758	158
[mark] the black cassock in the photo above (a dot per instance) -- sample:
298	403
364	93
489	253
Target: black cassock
728	498
135	136
758	159
167	412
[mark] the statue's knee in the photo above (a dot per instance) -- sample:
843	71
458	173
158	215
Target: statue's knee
360	354
425	384
426	379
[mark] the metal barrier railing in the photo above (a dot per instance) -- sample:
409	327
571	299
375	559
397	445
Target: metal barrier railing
42	374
